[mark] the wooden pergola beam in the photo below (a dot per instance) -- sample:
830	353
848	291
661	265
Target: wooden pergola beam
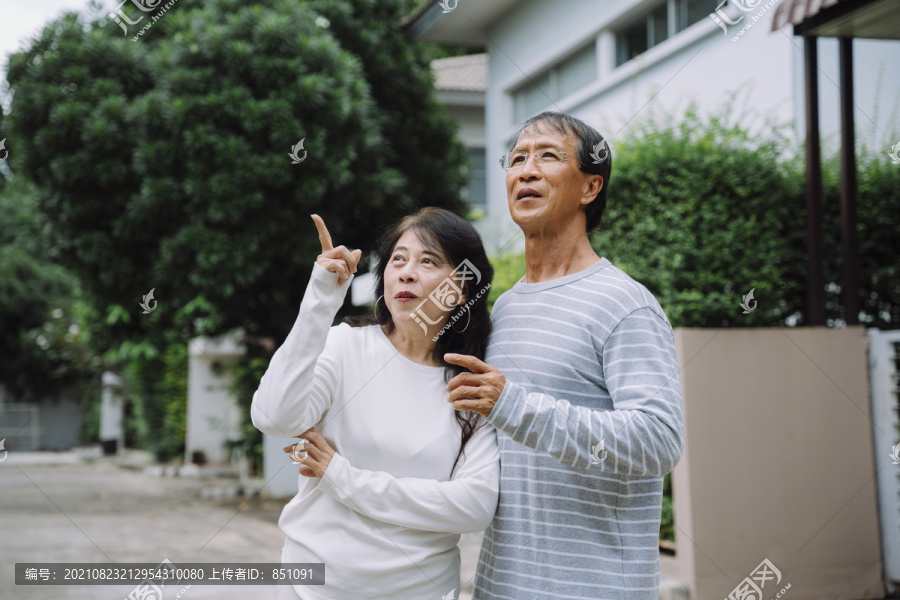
850	258
815	270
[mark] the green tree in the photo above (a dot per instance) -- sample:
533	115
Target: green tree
163	162
42	351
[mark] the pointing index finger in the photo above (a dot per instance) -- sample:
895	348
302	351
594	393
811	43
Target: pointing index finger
324	236
467	361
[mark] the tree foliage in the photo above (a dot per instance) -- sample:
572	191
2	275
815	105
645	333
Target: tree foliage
42	308
163	162
701	211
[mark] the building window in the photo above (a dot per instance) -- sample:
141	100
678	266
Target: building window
658	25
564	78
643	34
577	71
692	11
476	192
533	97
655	27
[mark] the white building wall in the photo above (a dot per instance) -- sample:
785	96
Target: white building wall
213	415
471	124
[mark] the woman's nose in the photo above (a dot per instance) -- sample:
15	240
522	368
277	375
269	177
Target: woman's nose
408	272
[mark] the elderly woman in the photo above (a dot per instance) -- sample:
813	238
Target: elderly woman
392	474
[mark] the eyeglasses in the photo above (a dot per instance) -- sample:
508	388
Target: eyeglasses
543	158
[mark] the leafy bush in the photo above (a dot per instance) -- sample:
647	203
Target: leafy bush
701	211
172	395
156	386
667	521
508	269
876	237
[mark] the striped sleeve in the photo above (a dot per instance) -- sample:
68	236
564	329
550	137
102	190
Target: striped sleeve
644	432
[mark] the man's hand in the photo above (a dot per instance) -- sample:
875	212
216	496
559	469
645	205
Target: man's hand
318	453
477	391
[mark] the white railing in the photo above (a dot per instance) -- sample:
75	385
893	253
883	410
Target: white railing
884	374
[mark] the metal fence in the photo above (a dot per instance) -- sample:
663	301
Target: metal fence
884	375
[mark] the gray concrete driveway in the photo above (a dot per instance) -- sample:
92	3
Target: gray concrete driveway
56	508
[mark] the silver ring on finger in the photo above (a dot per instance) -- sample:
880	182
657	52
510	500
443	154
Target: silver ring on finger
298	455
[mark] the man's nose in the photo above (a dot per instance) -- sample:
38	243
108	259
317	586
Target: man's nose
529	168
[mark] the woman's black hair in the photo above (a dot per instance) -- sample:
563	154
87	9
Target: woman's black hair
454	239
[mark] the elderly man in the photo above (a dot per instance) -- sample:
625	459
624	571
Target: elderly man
581	383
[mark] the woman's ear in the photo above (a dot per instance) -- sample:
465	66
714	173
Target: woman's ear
464	297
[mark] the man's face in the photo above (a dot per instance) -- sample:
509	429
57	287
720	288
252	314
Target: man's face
544	187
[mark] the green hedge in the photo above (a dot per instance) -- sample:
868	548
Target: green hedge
701	211
156	386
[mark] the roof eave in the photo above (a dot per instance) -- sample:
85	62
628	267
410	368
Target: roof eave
463	25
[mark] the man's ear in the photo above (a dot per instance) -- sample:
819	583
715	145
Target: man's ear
592	188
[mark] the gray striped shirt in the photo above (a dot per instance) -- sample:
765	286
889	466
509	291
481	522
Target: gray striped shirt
589	358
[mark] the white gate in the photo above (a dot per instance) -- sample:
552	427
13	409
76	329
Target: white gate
19	426
884	374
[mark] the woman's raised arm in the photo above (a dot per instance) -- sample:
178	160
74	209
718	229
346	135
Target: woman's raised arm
304	373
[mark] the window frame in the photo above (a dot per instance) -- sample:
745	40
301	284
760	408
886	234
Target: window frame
552	74
676	12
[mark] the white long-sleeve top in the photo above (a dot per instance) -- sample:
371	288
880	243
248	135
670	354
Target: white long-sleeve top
386	517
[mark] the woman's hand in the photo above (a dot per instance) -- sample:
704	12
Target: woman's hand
337	260
318	453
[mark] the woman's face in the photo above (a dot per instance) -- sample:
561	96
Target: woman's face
412	273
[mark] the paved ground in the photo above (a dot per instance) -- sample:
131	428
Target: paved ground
54	507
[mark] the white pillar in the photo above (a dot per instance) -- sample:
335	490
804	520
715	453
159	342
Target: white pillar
112	410
362	289
281	476
213	415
